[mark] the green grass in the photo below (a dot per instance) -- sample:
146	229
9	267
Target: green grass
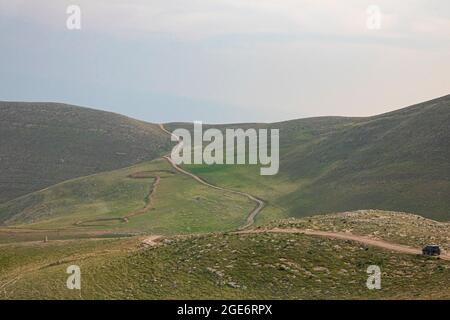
180	205
396	161
220	266
47	143
247	178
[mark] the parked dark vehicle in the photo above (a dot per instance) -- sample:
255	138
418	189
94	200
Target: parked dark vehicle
431	250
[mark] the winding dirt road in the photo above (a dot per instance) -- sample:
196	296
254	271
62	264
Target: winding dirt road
260	204
147	207
347	236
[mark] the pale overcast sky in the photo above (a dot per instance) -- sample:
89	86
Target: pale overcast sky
226	60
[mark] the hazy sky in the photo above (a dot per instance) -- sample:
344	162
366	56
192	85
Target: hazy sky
226	60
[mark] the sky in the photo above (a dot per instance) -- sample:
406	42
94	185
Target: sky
222	61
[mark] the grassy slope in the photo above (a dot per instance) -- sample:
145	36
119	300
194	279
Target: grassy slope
46	143
180	205
280	266
396	161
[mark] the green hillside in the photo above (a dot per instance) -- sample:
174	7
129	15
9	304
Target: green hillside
46	143
234	266
396	161
122	202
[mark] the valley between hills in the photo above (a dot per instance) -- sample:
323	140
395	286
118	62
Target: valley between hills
96	189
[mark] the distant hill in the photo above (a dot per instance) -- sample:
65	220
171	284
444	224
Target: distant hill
397	161
42	144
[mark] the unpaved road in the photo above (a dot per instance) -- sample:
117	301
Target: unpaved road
147	207
390	246
149	201
260	204
347	236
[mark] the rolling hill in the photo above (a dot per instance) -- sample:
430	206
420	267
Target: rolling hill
145	230
43	144
256	265
149	197
395	161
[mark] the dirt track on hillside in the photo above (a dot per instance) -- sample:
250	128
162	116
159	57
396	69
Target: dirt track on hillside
260	204
347	236
149	200
147	207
